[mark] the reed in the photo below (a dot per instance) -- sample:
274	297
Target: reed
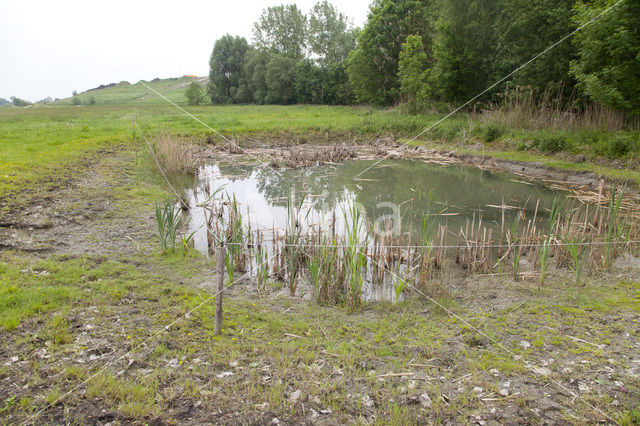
176	156
354	256
168	221
549	238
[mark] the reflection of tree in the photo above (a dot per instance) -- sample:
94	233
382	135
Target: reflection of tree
410	184
235	172
318	184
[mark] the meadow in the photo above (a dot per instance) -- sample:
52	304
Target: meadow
100	324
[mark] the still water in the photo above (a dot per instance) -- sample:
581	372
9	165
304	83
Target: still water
394	195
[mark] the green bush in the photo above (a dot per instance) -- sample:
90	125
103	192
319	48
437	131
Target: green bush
619	146
551	143
491	133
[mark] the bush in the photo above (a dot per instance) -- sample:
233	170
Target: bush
617	146
551	143
491	133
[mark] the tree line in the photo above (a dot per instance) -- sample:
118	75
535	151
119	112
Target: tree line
425	52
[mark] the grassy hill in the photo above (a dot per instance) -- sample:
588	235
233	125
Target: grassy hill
126	93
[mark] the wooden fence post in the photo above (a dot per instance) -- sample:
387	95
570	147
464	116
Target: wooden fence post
220	255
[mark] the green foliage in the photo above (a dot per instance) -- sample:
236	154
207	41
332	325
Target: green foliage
282	29
330	36
463	49
227	79
551	143
20	102
168	221
194	94
373	66
412	65
75	100
608	64
280	80
492	133
525	28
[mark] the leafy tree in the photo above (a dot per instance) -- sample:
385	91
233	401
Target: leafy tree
463	49
255	69
3	101
608	64
330	35
412	66
92	100
75	100
309	78
226	70
281	29
336	87
19	102
373	66
280	80
194	94
525	28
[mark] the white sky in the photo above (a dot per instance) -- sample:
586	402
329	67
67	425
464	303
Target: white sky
49	48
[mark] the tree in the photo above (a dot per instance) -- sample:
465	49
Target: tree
92	100
194	94
330	36
19	102
412	66
226	70
373	66
280	80
463	49
255	71
525	28
281	29
309	78
608	65
75	100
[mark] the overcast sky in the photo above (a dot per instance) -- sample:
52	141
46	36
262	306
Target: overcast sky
50	48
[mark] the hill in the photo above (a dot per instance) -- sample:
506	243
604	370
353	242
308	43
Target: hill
127	93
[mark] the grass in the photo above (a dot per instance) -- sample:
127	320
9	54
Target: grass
272	343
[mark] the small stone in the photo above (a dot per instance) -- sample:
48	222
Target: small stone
295	395
582	387
233	364
425	400
504	392
477	389
224	374
367	401
15	359
494	371
543	371
174	363
525	345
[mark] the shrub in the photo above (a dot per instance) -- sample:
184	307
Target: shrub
551	143
491	133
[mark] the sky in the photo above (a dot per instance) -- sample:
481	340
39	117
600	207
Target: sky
50	48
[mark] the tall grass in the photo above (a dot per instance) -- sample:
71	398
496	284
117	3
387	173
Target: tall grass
168	221
520	108
176	156
549	238
354	256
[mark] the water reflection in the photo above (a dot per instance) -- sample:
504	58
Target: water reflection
457	193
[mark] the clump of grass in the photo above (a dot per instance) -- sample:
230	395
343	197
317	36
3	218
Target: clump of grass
354	257
293	249
176	156
168	221
615	228
548	240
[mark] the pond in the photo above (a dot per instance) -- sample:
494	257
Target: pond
403	202
394	195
